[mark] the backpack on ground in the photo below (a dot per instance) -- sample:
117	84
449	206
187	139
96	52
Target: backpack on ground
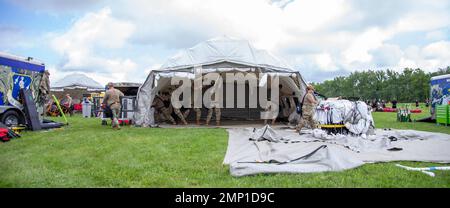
4	136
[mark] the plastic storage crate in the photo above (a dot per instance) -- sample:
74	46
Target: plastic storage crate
442	116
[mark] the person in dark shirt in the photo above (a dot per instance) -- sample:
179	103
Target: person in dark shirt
394	104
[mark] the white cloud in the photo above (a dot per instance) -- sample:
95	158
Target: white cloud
430	57
95	29
303	15
55	75
387	56
325	62
359	48
439	50
326	36
423	21
55	5
83	46
435	35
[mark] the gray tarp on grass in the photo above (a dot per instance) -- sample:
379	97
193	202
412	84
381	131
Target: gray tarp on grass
252	151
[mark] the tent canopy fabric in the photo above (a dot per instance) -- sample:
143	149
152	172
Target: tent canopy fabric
225	49
77	81
223	54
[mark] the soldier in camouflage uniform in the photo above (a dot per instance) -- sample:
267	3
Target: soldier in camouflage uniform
162	108
198	114
198	111
218	114
272	117
309	105
181	116
214	106
112	100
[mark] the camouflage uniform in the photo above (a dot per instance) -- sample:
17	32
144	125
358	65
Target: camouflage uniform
162	111
198	114
180	115
268	109
307	115
112	99
183	116
216	110
198	111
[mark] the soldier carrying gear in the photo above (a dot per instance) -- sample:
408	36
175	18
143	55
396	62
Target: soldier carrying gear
198	113
185	114
180	115
309	105
177	111
162	107
112	100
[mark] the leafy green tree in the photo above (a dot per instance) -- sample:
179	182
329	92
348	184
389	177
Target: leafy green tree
408	85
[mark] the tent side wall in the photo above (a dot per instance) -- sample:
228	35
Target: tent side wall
144	114
302	85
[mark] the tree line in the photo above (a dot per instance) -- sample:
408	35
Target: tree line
406	86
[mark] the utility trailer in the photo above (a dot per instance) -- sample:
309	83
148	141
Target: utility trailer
17	73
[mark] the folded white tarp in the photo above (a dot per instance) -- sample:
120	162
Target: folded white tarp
252	151
354	114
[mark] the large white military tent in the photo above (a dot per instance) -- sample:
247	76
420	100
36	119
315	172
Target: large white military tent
220	55
76	81
76	85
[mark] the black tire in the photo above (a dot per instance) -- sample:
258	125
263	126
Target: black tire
12	118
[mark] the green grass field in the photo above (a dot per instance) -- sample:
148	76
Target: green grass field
87	154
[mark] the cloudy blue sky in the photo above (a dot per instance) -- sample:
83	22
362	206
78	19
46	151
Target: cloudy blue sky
122	40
